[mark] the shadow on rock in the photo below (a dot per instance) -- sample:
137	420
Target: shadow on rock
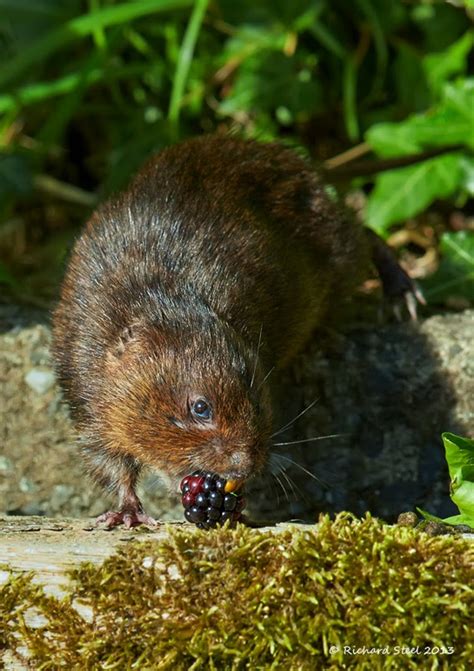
388	394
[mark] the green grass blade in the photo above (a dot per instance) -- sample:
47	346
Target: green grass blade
40	91
324	36
350	99
185	58
82	26
100	39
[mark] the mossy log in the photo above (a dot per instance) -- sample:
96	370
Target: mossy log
52	546
348	591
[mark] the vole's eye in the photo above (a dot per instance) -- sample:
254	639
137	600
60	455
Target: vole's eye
201	409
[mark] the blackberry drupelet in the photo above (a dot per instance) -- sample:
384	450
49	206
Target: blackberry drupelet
209	500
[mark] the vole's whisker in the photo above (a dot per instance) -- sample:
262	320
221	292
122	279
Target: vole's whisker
269	479
302	468
266	378
289	481
256	356
275	489
287	426
281	485
310	440
276	467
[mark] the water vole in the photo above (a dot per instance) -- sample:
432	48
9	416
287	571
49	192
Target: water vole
210	270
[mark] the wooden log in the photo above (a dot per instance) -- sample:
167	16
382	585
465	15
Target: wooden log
52	546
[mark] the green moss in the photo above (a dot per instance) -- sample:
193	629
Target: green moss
241	599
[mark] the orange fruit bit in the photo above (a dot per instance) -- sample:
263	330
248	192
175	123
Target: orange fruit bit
232	485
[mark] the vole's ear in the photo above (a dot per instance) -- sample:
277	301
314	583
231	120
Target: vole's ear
127	338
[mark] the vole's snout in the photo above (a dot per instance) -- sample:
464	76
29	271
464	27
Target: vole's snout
239	465
238	459
234	463
239	462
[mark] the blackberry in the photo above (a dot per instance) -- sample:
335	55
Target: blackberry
209	500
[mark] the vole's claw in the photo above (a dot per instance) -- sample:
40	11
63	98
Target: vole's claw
398	287
411	298
129	519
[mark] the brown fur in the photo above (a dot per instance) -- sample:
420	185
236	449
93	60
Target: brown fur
218	248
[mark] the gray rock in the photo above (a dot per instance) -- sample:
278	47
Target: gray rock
26	485
389	392
5	464
60	495
40	380
386	394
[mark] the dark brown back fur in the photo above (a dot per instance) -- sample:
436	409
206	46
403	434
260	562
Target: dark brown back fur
217	244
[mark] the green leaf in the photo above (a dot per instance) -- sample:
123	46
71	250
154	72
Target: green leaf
390	139
460	519
463	497
403	193
455	275
460	458
439	67
451	122
459	100
429	516
459	453
454	519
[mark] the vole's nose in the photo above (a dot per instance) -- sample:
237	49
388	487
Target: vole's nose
238	459
239	465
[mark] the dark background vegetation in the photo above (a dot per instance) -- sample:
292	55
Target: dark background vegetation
88	89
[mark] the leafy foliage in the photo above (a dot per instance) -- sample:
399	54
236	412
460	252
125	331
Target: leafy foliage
460	459
402	193
277	64
455	275
92	89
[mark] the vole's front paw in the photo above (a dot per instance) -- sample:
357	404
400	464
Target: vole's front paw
398	287
129	519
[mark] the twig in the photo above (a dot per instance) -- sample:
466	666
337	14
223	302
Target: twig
68	192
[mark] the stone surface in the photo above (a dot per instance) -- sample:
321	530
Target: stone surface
386	394
391	392
40	468
40	380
